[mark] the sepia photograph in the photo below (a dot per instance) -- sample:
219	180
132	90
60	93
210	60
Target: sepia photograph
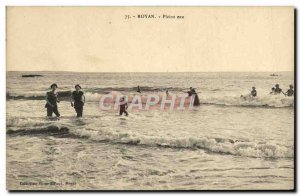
150	98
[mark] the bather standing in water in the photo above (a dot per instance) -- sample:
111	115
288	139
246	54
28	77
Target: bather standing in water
167	93
52	100
192	92
196	101
278	90
123	106
253	92
79	99
138	89
290	92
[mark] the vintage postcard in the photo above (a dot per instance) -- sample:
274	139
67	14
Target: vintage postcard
150	98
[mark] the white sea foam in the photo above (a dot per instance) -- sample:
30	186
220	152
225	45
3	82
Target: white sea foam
214	145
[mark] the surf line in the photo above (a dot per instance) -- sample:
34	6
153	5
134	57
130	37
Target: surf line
149	102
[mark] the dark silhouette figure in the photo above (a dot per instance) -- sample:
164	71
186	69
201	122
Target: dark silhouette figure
79	99
123	107
138	89
278	90
290	92
52	100
192	92
253	92
272	91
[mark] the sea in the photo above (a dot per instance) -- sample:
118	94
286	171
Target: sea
226	143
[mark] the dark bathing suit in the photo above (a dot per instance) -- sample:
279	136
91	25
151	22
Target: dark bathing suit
278	90
290	93
78	103
123	109
52	98
196	100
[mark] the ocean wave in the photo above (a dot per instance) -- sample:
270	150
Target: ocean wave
106	90
212	145
63	95
48	130
133	89
275	101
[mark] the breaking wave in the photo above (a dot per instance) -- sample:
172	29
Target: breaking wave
213	145
276	101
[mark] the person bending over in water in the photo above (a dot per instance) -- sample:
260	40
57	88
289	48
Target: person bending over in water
79	100
123	106
278	90
52	100
253	92
290	92
191	92
138	89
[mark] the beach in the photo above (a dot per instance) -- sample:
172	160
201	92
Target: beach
226	143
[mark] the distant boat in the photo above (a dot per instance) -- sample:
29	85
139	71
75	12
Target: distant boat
31	75
273	74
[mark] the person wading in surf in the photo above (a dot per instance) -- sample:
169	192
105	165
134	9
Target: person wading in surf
253	92
52	100
191	92
278	90
290	92
79	99
138	89
123	106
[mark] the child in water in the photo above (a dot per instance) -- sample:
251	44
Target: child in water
123	106
253	92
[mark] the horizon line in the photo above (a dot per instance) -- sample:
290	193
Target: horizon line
150	72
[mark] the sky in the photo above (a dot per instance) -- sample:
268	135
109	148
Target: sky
100	39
